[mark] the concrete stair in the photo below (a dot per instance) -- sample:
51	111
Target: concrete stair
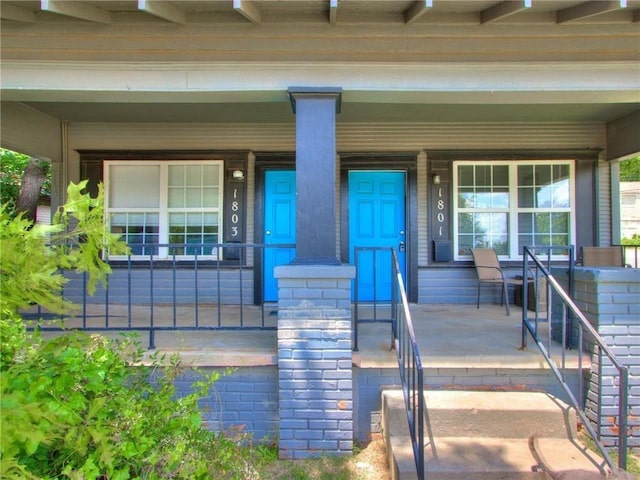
484	435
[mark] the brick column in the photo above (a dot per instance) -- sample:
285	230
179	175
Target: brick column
315	360
610	298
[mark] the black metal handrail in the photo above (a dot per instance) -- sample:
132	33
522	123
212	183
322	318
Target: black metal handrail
403	338
410	365
141	289
583	325
631	255
382	310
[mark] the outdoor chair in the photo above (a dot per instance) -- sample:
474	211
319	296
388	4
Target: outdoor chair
488	271
602	257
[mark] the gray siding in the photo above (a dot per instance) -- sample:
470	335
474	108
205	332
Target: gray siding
139	282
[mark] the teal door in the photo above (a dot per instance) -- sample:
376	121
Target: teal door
376	219
279	225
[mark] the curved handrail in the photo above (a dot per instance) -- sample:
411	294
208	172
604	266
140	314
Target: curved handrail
583	324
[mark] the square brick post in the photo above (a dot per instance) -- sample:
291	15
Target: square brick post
610	299
315	360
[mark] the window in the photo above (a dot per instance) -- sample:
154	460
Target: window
509	205
165	208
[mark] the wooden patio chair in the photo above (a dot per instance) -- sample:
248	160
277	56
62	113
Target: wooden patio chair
602	257
488	271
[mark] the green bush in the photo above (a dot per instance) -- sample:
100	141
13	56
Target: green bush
76	407
81	406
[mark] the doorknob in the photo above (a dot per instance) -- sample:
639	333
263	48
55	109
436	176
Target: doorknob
267	232
401	247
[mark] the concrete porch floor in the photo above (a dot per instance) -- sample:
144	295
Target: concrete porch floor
449	336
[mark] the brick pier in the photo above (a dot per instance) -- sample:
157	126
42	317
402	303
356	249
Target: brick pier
315	360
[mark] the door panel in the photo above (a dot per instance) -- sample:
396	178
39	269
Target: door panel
376	219
279	225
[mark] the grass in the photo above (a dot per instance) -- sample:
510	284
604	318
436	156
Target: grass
368	462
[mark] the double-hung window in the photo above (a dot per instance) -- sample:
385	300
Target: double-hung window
165	208
508	205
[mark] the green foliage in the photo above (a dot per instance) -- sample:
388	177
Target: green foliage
76	407
12	166
31	256
630	170
85	407
634	240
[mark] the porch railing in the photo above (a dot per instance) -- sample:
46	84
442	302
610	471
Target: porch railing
369	262
152	294
531	262
393	307
631	255
411	372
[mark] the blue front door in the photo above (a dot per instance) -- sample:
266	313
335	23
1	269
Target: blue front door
279	225
376	219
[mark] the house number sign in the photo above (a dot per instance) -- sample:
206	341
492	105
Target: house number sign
233	218
440	212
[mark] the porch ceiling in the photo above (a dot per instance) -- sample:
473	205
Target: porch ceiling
330	11
396	60
351	112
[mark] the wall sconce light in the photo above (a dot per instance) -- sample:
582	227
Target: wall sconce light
435	178
238	175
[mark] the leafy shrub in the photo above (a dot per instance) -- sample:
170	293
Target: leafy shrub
81	406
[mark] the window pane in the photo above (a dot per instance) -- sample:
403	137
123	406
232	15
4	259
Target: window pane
525	197
483	175
465	175
560	222
465	198
542	223
483	198
210	199
210	175
525	175
176	197
525	223
194	197
193	175
561	194
176	176
465	244
500	198
465	223
524	241
134	186
501	175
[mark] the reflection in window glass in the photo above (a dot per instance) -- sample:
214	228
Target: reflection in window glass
541	215
188	215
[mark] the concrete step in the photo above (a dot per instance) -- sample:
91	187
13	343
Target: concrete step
484	435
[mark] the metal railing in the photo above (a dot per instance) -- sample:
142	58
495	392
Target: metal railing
631	255
411	371
381	307
554	291
172	293
403	338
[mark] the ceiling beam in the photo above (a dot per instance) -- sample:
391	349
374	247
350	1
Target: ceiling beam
415	11
18	14
163	10
76	10
588	9
503	9
333	11
248	10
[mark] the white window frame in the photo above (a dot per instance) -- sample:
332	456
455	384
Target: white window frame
513	209
163	209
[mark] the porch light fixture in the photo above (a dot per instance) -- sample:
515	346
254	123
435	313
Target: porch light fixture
238	175
435	178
